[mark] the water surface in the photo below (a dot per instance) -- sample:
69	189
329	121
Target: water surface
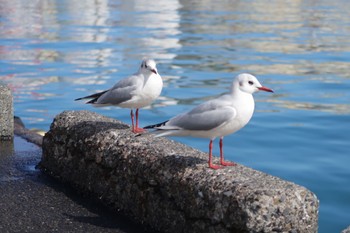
55	51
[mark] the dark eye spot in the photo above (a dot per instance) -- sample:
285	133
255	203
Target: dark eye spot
250	82
146	66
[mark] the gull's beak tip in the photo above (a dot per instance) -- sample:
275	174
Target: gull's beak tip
265	89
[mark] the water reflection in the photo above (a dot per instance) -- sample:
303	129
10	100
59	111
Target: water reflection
331	108
73	38
52	52
87	40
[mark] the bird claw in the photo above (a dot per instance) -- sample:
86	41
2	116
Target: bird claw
215	167
138	130
224	163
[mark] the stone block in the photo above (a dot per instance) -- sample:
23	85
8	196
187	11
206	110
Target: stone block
167	185
6	113
347	230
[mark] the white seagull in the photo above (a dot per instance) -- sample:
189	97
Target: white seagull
216	118
136	91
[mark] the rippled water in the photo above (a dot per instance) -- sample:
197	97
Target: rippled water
55	51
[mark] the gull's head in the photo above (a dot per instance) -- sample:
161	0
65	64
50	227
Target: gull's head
148	66
249	84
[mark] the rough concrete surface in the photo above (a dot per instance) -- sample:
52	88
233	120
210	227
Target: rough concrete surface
347	230
167	185
31	201
6	113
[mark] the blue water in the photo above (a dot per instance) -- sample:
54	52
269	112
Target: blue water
55	51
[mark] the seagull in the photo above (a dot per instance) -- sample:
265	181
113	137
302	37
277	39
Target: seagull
217	117
134	92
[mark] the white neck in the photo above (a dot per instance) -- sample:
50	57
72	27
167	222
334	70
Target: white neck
244	101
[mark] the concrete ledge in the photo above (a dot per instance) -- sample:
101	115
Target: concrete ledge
347	230
6	113
23	132
167	185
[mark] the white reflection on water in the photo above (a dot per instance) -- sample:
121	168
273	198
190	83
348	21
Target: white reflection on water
331	108
55	51
80	37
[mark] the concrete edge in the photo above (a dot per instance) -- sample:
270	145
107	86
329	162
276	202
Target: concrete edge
166	184
29	135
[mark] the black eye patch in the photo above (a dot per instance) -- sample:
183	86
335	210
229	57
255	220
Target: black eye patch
250	82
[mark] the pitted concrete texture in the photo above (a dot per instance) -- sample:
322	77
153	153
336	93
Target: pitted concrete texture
168	185
6	113
347	230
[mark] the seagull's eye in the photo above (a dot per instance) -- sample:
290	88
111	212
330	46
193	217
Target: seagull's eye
250	83
146	66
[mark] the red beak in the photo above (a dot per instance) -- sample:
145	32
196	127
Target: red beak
265	89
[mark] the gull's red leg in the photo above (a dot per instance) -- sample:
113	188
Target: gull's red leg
211	165
222	161
136	129
132	121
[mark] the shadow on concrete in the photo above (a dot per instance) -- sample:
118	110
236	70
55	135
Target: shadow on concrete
32	201
95	213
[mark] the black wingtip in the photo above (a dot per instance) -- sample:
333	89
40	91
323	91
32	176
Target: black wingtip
89	102
94	96
92	101
155	126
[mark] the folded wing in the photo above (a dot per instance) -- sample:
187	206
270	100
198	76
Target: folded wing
206	116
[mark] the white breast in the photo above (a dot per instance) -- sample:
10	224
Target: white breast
146	94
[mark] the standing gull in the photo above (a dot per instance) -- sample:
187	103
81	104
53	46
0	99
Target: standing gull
135	91
216	118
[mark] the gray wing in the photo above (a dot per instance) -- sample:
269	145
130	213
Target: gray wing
122	91
206	116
